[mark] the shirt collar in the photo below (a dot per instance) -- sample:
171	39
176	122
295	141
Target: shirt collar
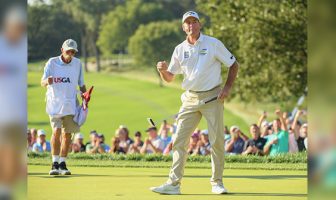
62	62
200	39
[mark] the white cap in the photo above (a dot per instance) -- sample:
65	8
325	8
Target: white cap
78	136
234	127
69	44
205	132
190	14
264	123
41	132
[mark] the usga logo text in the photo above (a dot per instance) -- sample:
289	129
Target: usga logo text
61	80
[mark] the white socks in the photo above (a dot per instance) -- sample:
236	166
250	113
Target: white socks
62	159
55	158
58	159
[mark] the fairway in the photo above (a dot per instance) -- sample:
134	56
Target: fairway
134	183
117	100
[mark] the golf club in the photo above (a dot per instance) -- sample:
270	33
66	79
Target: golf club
152	123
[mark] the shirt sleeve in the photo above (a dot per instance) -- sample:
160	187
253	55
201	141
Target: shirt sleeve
46	71
174	65
224	55
81	76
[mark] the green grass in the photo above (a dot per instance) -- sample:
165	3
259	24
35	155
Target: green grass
117	99
134	183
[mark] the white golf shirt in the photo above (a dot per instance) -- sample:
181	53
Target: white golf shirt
61	96
200	63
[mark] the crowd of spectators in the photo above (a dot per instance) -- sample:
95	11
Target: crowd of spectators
285	134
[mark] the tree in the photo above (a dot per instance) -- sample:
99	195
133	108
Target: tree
88	13
121	23
269	40
43	38
155	41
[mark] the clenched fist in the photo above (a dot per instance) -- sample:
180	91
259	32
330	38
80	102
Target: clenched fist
162	66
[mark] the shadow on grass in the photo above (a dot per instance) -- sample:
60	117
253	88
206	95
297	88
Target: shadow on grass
268	177
262	194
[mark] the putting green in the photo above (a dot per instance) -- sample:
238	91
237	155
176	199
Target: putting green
134	183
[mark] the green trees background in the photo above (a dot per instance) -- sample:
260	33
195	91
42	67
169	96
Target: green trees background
268	37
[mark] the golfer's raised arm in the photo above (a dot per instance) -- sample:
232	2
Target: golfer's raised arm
162	67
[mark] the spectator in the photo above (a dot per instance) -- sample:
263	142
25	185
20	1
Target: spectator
115	148
168	150
78	145
153	144
300	132
256	144
93	134
101	139
277	142
193	148
138	143
237	141
95	145
33	133
204	144
227	135
41	145
292	143
123	134
264	126
164	130
29	141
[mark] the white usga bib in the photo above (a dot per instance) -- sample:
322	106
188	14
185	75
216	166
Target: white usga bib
61	95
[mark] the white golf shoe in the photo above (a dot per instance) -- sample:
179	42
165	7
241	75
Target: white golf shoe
219	189
167	189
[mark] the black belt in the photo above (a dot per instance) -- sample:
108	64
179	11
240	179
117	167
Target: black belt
205	90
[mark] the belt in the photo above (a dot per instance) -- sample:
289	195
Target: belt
205	90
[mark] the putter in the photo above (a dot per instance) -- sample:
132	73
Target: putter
152	123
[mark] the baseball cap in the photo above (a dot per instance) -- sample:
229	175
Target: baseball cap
264	123
234	127
205	132
190	14
69	44
41	132
152	128
79	136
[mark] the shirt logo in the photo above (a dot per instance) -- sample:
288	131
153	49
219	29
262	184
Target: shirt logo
231	57
186	54
62	80
204	51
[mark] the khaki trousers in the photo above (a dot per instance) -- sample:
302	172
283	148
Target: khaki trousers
191	112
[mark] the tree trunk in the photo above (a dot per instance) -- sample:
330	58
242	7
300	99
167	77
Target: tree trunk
84	51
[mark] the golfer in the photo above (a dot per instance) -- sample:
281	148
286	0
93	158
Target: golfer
199	59
61	76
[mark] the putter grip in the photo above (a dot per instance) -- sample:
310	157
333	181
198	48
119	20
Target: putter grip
210	100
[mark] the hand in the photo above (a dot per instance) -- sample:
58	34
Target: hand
50	80
224	93
278	112
300	113
162	66
255	149
275	141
